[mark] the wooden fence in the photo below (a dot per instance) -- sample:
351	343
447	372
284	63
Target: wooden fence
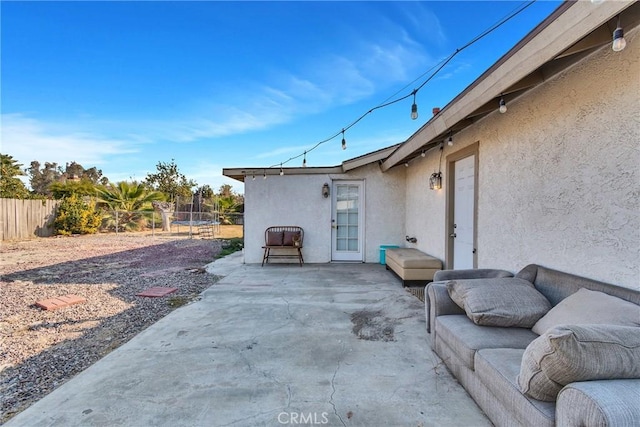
27	219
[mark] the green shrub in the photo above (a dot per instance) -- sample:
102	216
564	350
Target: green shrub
75	216
230	246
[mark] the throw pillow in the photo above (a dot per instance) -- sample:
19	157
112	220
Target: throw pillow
274	238
570	353
586	306
289	237
499	301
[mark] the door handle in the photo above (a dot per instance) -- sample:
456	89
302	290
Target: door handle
453	235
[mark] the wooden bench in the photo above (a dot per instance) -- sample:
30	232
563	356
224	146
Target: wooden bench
287	238
415	268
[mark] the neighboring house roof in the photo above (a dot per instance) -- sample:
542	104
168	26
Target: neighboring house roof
569	34
376	156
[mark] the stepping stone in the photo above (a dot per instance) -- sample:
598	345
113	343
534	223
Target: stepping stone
156	291
60	302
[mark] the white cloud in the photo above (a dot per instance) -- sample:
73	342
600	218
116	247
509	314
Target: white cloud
28	139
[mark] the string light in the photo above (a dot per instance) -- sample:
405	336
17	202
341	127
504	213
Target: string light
414	106
450	140
265	174
423	154
281	170
438	67
619	43
304	160
503	106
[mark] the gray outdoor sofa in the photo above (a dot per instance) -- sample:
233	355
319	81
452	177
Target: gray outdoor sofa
543	348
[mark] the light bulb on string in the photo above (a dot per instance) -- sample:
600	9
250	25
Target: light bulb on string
344	141
304	160
281	170
619	43
503	106
414	107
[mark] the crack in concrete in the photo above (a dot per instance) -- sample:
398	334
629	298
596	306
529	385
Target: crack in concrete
333	388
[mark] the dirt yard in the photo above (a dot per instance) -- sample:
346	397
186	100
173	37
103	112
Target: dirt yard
40	350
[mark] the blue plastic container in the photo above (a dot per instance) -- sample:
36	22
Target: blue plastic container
383	252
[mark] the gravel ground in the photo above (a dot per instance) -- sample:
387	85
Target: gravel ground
40	350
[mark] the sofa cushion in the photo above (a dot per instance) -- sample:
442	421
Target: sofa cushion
412	258
499	301
498	369
274	238
587	306
569	353
465	337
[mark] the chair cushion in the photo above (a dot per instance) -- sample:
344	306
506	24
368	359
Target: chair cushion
289	237
586	306
412	258
275	238
507	302
570	353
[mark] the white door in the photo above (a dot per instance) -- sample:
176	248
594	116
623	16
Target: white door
346	221
463	214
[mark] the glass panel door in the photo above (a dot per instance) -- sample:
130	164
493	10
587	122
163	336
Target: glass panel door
347	221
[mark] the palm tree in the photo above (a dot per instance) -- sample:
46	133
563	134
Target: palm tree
132	202
10	185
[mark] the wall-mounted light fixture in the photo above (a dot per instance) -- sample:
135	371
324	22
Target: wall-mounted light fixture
435	181
619	43
325	190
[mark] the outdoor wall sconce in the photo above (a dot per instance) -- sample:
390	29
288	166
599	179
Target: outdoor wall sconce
325	190
435	182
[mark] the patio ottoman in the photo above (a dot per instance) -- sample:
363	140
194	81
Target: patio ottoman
413	267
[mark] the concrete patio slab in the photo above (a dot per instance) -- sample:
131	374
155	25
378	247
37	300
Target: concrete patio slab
336	345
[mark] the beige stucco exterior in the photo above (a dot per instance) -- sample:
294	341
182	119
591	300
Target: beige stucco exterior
297	200
558	178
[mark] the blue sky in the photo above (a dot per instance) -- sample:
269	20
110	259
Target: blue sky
125	85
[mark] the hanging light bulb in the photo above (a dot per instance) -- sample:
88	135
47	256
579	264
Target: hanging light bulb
503	106
414	107
344	141
281	170
406	164
423	154
253	176
304	160
450	140
264	176
619	43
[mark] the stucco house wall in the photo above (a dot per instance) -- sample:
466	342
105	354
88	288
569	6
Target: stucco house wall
296	199
558	179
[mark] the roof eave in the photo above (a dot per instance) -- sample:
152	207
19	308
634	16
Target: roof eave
513	73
